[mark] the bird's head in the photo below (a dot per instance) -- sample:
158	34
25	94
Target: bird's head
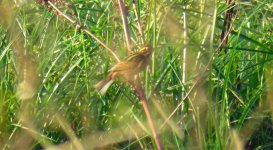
146	50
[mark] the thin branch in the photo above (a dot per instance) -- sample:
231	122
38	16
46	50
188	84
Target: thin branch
139	91
150	121
123	14
84	29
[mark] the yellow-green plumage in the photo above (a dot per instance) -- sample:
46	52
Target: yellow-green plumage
127	69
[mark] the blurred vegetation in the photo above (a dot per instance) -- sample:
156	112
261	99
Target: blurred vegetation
229	105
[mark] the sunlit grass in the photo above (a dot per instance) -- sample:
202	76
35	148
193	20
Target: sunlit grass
41	53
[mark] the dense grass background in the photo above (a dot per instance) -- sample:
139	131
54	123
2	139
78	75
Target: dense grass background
229	108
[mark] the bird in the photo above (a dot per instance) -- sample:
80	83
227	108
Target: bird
127	69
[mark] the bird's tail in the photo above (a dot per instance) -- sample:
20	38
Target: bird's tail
104	84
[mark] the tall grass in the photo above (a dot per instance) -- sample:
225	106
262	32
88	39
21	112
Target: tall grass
48	69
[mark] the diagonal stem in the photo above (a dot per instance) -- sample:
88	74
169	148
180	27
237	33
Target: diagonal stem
139	91
84	29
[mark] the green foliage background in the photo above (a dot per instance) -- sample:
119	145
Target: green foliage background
232	98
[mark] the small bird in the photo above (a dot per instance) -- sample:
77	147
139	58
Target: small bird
127	69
